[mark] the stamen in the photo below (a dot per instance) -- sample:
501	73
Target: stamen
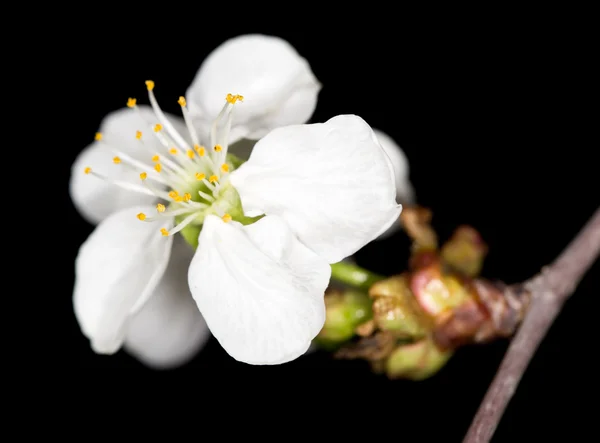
160	207
188	121
226	218
190	153
164	232
225	167
209	185
155	158
138	135
123	184
157	127
158	167
187	197
231	99
186	221
136	165
206	196
131	102
143	176
98	136
213	179
173	151
213	128
200	176
200	150
141	216
162	118
218	148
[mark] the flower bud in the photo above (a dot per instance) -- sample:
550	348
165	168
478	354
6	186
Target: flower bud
395	308
465	251
416	361
345	311
436	292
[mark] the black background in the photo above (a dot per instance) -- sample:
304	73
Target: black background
494	126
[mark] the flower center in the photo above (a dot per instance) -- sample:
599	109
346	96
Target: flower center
191	180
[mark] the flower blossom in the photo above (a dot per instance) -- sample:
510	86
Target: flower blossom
309	195
167	330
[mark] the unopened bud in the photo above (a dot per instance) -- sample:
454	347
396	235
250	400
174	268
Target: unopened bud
395	309
465	251
345	311
416	222
435	292
416	361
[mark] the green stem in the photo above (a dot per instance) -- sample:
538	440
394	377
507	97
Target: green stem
354	275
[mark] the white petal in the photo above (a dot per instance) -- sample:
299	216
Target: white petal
116	270
405	193
168	331
94	198
404	189
331	182
278	86
259	289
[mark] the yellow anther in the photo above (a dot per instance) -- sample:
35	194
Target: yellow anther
226	218
157	127
98	136
187	197
179	198
164	232
190	153
157	167
173	151
218	148
116	160
213	178
160	207
200	150
141	216
181	101
155	158
143	176
173	194
149	85
225	167
131	102
138	135
200	176
87	170
234	98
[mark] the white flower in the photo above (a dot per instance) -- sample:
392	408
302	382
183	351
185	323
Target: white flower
309	195
405	193
279	86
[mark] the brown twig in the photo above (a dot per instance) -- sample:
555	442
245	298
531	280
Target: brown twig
549	291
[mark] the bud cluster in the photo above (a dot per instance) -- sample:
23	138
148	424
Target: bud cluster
408	325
